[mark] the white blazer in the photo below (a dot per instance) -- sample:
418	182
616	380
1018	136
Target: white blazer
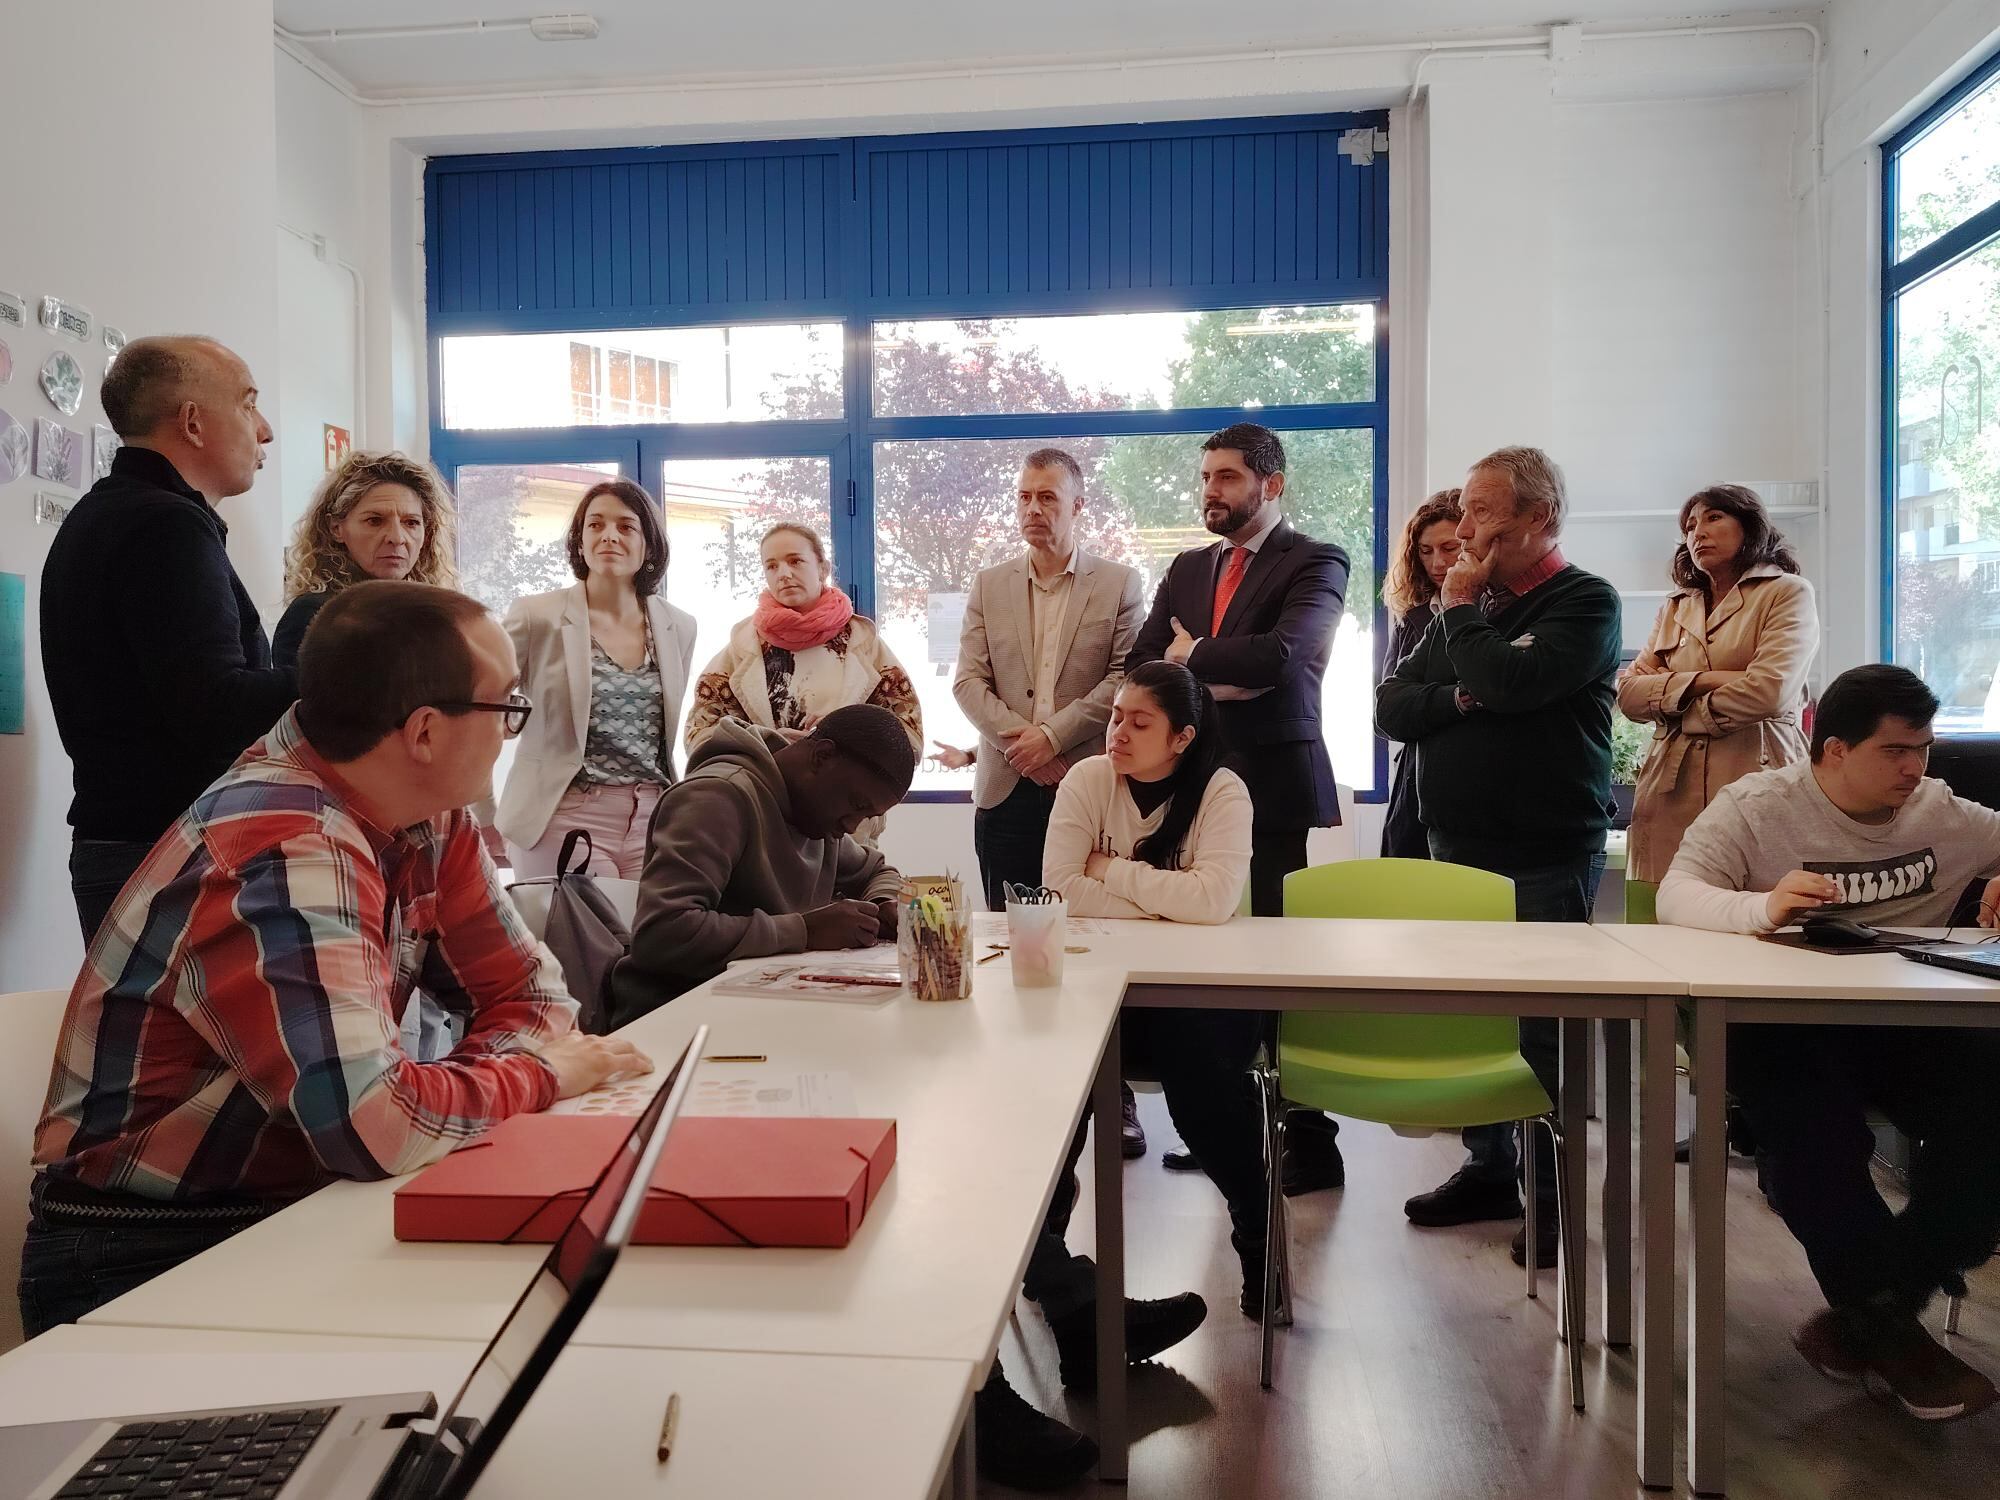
551	635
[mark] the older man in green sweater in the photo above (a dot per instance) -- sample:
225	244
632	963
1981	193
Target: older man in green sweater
1506	703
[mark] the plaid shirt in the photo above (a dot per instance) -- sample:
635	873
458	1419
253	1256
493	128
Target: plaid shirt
234	1032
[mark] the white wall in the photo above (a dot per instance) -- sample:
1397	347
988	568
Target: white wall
162	133
321	222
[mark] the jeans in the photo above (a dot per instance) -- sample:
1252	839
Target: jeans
1807	1091
1202	1060
1008	839
98	870
1542	893
69	1269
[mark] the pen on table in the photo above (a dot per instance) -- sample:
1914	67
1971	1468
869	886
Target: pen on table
736	1057
998	949
667	1425
881	980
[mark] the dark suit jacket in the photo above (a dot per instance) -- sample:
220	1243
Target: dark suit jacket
1276	637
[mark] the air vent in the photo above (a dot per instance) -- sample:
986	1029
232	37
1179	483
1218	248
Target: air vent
567	27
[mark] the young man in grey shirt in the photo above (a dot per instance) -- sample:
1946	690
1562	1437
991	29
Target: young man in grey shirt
1860	831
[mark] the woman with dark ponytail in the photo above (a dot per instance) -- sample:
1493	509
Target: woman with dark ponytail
1157	827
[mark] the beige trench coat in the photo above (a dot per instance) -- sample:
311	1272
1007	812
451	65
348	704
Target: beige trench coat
1766	631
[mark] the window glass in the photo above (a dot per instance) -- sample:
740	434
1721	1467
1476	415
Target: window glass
1947	488
513	527
1949	173
1126	361
944	509
751	373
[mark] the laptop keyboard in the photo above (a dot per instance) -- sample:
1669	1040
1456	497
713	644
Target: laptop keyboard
246	1457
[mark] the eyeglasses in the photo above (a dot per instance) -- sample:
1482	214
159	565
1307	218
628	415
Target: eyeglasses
516	708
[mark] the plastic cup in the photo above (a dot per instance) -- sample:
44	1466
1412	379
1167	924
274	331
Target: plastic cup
1035	939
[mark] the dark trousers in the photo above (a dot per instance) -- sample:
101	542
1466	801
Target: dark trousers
1008	839
98	870
1542	893
1274	854
1807	1091
1202	1060
70	1268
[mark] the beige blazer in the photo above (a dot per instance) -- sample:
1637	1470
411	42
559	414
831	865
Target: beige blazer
1766	633
995	685
551	635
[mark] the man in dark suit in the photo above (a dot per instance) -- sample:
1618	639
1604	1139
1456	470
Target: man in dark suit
1253	616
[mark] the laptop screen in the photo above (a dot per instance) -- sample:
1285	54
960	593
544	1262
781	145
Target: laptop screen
565	1283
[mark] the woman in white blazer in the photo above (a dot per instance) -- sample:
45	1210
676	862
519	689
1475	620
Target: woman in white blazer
606	664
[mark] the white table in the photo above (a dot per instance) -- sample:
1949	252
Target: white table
750	1424
985	1096
1733	978
1565	970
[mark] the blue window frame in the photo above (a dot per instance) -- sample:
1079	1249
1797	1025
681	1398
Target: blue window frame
1940	433
991	230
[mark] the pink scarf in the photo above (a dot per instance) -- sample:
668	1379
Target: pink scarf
802	629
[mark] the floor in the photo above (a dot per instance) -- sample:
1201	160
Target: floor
1418	1370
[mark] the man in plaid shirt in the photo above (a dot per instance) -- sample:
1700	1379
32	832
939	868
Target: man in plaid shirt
233	1041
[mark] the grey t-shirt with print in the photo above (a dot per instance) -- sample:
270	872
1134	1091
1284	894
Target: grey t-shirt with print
1910	870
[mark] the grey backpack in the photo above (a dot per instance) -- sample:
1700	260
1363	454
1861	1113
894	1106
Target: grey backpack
585	933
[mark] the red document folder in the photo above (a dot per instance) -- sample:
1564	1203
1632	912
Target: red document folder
721	1181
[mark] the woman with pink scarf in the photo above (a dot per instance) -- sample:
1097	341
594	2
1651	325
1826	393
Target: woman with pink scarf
804	653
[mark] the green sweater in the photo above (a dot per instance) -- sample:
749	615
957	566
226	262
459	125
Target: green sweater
1525	776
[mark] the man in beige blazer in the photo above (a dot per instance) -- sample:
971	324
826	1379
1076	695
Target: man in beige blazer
1039	659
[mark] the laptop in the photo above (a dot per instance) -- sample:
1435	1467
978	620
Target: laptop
370	1447
1982	959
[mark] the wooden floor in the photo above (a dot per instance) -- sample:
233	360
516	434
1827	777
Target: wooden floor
1418	1370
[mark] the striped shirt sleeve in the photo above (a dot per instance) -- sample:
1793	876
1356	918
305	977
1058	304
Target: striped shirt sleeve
294	991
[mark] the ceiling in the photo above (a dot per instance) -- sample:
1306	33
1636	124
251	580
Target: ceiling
651	39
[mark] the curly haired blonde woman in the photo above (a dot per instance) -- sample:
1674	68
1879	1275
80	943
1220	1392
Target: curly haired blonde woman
379	515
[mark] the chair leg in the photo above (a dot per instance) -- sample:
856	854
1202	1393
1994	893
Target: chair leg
1527	1129
1569	1237
1952	1307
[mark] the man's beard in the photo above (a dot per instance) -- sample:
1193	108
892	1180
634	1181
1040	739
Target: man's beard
1234	521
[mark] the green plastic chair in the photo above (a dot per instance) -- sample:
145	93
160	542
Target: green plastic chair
1407	1069
1642	902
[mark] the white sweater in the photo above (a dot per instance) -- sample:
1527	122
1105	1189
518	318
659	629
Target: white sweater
1094	812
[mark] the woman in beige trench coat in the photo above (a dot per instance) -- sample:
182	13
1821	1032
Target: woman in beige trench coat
1723	677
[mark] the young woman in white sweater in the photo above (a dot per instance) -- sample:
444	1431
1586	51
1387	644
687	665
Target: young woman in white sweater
1158	827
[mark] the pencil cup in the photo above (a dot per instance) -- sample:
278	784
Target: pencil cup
1035	937
934	952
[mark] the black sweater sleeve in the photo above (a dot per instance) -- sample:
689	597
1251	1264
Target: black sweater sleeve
1566	649
183	632
290	632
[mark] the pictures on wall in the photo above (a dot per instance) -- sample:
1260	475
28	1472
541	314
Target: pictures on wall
58	453
14	461
6	363
103	448
13	311
62	382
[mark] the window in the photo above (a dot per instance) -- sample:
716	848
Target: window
944	509
870	333
1941	287
751	373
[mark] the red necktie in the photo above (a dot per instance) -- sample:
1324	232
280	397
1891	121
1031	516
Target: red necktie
1225	588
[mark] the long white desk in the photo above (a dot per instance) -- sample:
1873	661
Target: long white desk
750	1424
986	1095
1731	979
1564	970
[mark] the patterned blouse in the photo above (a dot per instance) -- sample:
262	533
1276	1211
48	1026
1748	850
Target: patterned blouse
626	744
